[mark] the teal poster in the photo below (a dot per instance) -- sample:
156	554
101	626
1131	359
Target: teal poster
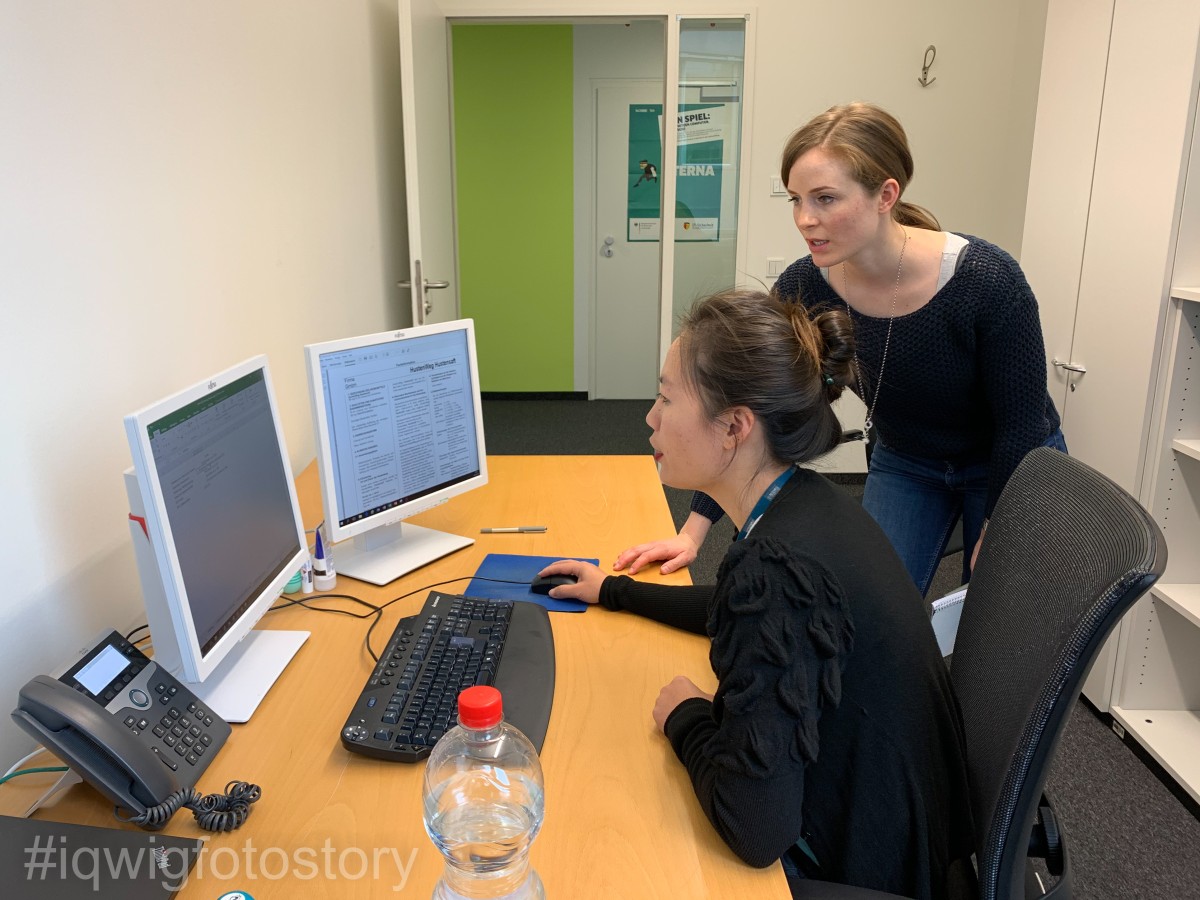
701	152
645	156
701	130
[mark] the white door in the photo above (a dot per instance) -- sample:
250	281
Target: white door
625	286
427	161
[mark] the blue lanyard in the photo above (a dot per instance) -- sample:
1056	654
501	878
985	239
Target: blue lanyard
765	500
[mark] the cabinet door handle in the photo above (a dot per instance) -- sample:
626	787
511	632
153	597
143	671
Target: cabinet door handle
1070	367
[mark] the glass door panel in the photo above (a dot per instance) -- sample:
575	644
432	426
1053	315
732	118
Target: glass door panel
711	95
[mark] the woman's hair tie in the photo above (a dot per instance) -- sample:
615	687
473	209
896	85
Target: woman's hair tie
828	379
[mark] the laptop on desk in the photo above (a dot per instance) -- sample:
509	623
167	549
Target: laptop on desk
42	860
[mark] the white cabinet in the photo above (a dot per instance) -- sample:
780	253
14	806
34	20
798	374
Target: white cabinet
1157	695
1115	111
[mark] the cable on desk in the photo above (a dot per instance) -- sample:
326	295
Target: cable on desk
427	587
373	610
11	775
213	812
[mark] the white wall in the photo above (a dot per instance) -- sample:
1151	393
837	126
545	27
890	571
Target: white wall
184	185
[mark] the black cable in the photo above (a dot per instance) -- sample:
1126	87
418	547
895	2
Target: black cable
213	812
427	587
374	611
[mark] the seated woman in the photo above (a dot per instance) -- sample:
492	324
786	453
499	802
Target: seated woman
834	741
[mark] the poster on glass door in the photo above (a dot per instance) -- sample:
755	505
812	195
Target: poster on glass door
701	148
701	132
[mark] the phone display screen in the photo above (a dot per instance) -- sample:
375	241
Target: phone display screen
99	672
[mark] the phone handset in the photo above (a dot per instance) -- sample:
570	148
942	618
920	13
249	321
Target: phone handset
93	742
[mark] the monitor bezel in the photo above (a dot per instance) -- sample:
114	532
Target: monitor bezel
312	355
182	643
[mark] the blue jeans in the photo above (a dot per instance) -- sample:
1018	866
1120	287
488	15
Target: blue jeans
917	502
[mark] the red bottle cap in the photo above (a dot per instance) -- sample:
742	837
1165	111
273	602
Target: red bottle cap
480	707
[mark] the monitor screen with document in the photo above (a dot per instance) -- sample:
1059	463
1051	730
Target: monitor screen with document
399	429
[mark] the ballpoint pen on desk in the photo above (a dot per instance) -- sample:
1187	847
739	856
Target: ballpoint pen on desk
519	529
324	578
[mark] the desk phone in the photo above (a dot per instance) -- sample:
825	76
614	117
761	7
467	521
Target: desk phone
124	723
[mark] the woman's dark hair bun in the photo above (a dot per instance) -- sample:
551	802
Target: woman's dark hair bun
776	357
836	332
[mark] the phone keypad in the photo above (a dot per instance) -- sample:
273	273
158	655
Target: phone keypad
181	730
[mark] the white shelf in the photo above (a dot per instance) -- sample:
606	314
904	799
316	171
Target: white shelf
1186	293
1171	736
1183	598
1187	448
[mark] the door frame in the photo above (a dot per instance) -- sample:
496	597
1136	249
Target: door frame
596	13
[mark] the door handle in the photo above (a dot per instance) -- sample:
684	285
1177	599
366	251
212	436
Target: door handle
607	249
429	285
1069	366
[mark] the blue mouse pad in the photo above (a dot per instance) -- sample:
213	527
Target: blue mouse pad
523	569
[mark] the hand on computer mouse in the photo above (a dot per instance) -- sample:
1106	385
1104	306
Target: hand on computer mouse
587	584
544	584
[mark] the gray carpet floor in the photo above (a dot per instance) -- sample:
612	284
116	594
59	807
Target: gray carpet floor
1128	836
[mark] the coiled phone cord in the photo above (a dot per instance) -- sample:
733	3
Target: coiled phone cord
213	812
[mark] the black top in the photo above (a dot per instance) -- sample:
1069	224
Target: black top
834	718
965	377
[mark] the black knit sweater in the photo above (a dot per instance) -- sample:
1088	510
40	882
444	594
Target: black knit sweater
965	377
833	718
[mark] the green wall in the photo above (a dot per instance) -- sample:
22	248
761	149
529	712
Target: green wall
514	170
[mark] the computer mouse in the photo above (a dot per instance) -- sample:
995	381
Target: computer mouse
543	583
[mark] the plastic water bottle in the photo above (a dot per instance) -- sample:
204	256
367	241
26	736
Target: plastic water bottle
484	803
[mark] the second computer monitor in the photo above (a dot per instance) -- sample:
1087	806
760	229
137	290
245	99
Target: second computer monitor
399	429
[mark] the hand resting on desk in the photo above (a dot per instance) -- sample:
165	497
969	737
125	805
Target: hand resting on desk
587	588
677	690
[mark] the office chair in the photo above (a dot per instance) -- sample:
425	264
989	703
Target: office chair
1067	553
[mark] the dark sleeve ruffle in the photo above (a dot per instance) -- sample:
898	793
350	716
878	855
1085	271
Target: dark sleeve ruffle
781	633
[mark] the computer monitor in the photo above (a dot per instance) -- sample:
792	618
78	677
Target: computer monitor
399	429
217	534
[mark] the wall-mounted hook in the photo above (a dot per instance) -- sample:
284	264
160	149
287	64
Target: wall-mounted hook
930	56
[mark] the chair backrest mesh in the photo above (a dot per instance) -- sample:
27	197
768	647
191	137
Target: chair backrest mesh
1066	553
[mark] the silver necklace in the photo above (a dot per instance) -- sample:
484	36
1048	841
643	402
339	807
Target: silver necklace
870	421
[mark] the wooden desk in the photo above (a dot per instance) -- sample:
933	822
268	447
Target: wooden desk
621	818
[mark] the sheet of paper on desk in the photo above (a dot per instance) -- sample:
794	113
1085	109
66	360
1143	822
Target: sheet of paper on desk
523	569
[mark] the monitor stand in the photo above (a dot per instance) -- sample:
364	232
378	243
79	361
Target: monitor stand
384	554
236	687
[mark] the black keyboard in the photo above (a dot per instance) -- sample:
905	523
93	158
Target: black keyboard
411	698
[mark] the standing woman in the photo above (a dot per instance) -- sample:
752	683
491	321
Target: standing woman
950	361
